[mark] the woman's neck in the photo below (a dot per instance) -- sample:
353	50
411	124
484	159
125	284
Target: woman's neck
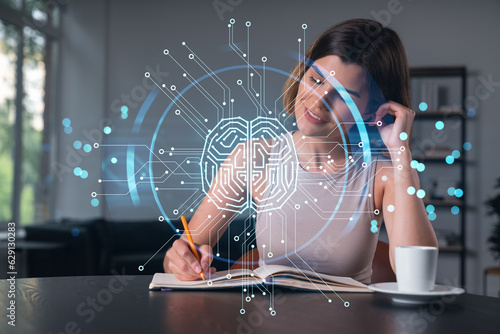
319	155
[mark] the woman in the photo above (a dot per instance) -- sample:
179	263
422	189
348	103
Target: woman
330	223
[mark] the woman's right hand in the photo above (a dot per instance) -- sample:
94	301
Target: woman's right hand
181	262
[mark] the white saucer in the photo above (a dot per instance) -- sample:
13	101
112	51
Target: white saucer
415	298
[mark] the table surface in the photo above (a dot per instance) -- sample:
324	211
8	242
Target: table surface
123	304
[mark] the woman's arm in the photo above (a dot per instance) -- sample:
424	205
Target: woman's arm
209	221
408	223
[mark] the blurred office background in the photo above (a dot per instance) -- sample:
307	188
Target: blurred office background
73	74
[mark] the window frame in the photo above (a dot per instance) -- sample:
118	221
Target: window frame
20	19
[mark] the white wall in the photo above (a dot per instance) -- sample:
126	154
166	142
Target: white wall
434	33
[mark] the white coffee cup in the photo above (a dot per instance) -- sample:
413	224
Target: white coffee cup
416	268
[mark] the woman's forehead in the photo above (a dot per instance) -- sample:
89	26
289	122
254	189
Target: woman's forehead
351	76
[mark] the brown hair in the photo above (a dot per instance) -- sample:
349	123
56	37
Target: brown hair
376	48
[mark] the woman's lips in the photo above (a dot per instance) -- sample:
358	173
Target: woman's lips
312	117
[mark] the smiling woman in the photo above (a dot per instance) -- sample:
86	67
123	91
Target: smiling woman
330	222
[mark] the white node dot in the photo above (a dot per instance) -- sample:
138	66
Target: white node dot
209	216
384	178
156	188
206	120
182	182
244	55
350	218
141	178
300	39
315	200
170	154
282	241
166	172
306	202
99	180
263	246
369	195
188	162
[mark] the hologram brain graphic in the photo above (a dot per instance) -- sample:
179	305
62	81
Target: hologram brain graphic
250	171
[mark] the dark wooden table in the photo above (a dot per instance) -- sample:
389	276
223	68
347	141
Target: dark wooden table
123	304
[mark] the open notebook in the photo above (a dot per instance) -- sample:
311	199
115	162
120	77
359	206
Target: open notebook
266	275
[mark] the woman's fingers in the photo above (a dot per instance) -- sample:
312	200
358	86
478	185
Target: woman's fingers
184	265
206	257
184	259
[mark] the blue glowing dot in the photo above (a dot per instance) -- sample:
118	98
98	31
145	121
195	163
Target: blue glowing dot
66	122
94	202
124	109
459	192
432	216
75	232
455	154
455	210
449	160
471	112
374	229
77	144
68	130
124	116
374	222
423	106
84	174
451	191
420	167
414	164
439	125
107	130
114	160
390	208
420	193
411	190
430	208
467	146
77	171
87	148
403	136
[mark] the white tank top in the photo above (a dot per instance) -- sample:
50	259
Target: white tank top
326	224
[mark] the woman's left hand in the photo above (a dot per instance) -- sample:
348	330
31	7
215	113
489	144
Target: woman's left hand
391	133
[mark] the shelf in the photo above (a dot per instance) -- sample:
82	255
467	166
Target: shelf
435	159
439	114
445	202
437	71
450	249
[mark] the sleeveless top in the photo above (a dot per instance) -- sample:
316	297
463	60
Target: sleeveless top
328	224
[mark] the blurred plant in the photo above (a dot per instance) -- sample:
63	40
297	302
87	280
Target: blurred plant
493	205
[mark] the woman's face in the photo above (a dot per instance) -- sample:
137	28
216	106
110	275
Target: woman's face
314	118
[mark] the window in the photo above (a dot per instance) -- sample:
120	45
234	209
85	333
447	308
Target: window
28	36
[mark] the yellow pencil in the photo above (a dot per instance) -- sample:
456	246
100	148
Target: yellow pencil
191	243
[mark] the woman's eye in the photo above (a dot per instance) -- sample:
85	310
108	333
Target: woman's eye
316	81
